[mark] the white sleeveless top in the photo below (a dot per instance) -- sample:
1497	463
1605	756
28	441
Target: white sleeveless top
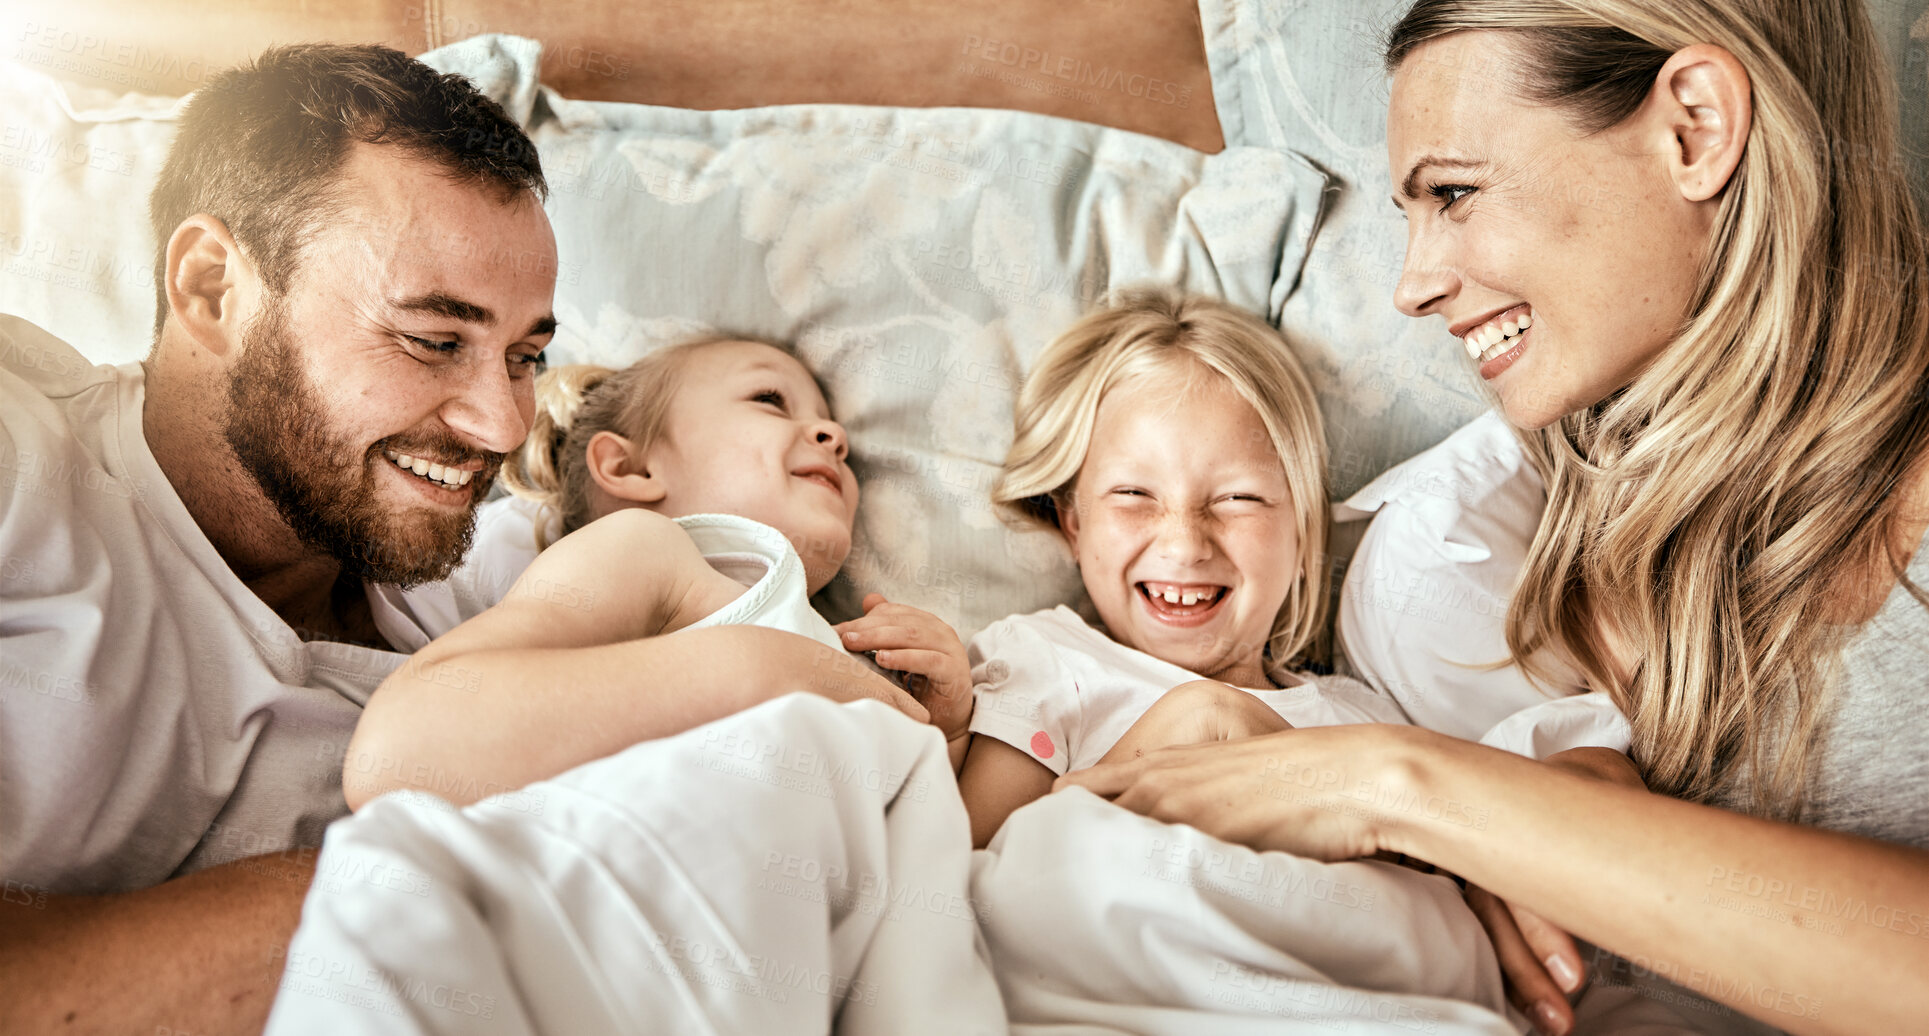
750	552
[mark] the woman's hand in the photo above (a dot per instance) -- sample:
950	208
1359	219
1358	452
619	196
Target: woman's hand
1541	962
914	641
1324	793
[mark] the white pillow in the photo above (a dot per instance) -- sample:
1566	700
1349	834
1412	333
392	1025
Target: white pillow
1424	603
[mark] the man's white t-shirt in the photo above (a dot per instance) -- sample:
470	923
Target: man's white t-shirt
155	716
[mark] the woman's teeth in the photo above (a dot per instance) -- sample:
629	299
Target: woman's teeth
446	476
1497	336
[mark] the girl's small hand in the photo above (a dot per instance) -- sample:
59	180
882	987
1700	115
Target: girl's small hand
914	641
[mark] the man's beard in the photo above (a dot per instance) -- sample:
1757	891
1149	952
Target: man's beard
323	485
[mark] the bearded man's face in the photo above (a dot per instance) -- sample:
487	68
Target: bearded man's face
375	398
329	484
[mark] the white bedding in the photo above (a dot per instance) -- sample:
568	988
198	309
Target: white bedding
806	867
798	867
1102	920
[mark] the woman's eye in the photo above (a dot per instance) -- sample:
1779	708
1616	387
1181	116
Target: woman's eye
1448	193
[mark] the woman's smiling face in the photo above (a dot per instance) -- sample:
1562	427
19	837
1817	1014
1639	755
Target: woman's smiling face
1561	262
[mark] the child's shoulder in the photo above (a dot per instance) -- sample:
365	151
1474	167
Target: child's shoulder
632	543
630	524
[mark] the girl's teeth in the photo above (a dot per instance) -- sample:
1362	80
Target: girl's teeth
1509	328
1188	598
1526	320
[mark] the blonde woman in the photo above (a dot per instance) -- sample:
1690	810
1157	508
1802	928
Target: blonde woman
1720	375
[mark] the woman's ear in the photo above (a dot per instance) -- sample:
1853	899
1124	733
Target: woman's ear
616	469
1708	104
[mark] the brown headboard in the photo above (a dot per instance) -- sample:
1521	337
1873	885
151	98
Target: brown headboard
1022	54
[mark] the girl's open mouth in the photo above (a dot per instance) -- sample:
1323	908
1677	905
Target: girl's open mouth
1182	604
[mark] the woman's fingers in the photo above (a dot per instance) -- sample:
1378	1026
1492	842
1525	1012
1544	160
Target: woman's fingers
1106	779
1528	985
1553	947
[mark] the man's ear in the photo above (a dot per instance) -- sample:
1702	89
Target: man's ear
212	288
617	470
1708	105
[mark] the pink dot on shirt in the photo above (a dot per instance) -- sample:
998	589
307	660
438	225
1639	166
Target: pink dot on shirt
1041	745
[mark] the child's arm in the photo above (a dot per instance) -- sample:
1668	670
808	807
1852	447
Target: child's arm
996	780
570	667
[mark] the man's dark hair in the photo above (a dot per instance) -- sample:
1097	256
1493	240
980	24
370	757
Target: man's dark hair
261	146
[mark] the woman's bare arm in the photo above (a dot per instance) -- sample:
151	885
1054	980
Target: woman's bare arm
1811	930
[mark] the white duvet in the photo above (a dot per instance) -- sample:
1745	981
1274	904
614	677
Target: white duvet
805	867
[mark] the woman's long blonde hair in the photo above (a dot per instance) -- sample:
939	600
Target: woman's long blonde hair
573	404
1712	513
1160	332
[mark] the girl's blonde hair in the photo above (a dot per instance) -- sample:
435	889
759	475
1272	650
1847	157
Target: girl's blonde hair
573	404
1157	331
1708	513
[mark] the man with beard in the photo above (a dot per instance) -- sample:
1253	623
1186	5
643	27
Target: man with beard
354	283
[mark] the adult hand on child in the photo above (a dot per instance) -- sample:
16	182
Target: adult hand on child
912	640
1540	961
1292	790
1542	965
